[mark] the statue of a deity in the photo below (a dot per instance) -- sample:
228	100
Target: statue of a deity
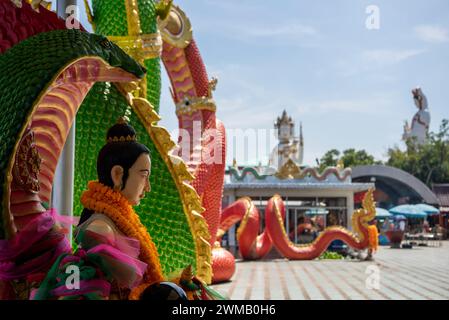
289	147
116	255
419	128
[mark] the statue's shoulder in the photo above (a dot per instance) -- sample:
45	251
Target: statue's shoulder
100	224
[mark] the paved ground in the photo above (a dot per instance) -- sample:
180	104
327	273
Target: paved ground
418	273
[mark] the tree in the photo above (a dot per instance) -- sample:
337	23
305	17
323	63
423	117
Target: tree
428	162
350	158
329	159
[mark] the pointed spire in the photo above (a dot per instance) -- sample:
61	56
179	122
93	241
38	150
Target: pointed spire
284	119
301	138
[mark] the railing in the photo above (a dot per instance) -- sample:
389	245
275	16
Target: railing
424	239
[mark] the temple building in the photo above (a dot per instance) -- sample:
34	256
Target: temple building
320	198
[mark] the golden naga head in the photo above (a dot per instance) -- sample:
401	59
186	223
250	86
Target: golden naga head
369	205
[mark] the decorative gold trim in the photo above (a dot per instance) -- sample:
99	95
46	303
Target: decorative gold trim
133	19
36	3
122	139
340	164
192	104
245	218
184	37
290	170
140	47
163	8
90	16
178	169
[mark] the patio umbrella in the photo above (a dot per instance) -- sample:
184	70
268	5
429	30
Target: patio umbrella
409	211
399	217
382	213
430	210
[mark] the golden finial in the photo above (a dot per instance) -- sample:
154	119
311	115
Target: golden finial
234	163
163	9
340	164
212	86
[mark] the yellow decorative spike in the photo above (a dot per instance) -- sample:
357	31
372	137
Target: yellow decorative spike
163	9
36	3
89	14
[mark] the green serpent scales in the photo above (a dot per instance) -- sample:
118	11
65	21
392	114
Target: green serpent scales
28	68
111	20
161	211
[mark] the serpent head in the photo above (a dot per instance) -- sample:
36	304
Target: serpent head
116	57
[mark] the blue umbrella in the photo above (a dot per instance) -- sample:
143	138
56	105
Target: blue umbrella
382	213
409	211
399	217
430	210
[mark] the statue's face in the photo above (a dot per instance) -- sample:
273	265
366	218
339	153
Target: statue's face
138	182
284	132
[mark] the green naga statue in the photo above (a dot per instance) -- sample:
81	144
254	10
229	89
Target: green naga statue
49	75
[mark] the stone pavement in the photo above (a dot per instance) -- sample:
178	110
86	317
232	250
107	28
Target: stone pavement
419	273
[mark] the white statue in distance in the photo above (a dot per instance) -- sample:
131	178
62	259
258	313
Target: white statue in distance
289	147
421	120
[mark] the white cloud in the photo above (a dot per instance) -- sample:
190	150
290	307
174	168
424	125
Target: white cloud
370	62
388	57
286	30
432	34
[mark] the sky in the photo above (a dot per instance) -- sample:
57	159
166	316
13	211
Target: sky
349	85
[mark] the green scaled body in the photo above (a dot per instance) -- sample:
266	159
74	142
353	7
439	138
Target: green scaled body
28	68
111	20
162	210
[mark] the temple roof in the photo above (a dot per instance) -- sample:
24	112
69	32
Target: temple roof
351	186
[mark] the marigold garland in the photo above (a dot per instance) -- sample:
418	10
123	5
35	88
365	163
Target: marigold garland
373	237
113	204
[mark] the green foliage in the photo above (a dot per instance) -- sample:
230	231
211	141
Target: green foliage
331	255
428	162
350	158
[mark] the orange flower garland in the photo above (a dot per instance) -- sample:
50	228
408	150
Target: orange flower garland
114	205
373	237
